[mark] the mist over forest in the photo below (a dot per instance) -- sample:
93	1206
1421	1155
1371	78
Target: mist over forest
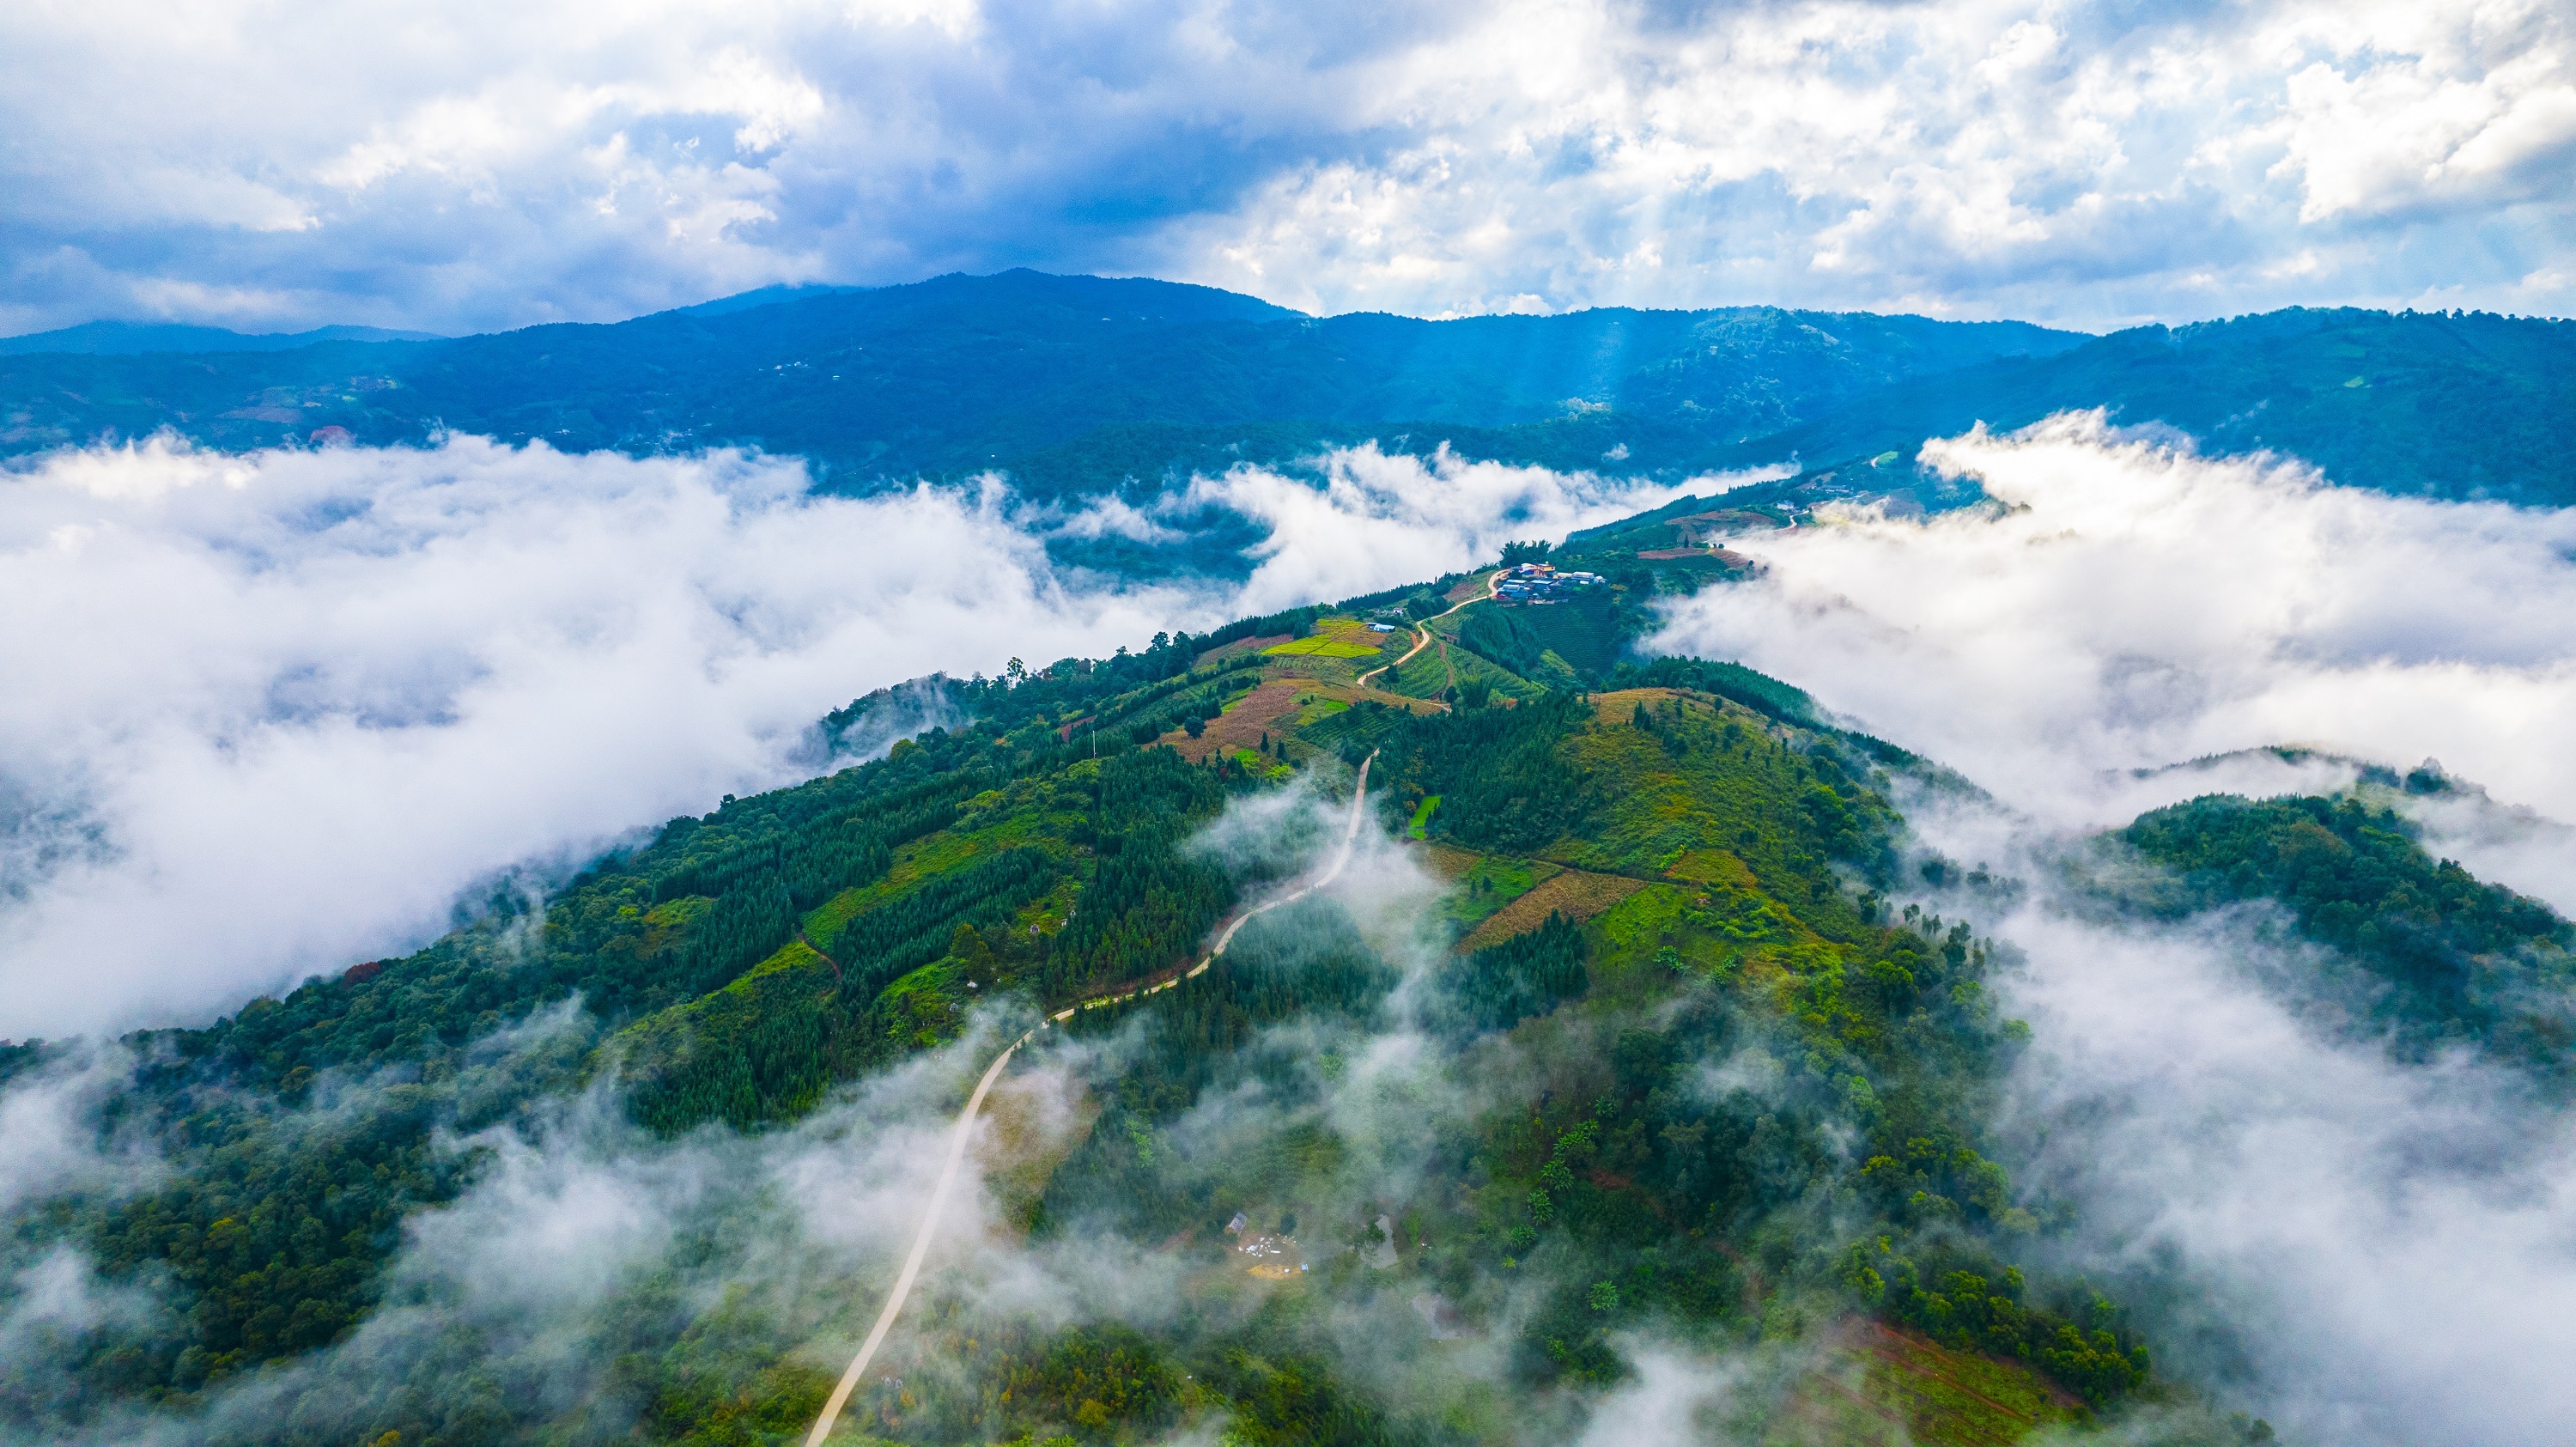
2036	1001
962	724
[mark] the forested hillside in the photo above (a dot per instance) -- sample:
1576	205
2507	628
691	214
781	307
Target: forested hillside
1079	385
2452	406
2436	958
1631	1040
959	374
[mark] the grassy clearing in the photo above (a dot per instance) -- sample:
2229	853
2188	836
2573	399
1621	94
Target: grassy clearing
787	982
1046	914
1899	1388
1323	648
1240	647
1333	638
1487	883
1327	716
927	1007
1435	669
1421	676
1736	789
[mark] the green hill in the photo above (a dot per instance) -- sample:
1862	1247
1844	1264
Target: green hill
1642	873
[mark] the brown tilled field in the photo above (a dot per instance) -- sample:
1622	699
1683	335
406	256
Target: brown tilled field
1270	708
1618	706
1574	894
1447	860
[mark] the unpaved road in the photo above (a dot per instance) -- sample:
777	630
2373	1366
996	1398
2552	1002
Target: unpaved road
965	1127
1424	630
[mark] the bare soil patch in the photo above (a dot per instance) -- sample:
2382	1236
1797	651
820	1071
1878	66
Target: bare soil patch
1575	894
1270	708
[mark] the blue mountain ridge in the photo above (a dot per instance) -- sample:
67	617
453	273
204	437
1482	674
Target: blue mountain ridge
1076	386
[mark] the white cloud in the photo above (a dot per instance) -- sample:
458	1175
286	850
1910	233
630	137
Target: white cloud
2057	161
1381	519
53	1138
273	712
2358	1250
460	166
2140	606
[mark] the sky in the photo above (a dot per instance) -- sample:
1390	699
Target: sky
473	165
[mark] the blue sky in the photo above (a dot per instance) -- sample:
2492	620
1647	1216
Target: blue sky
469	164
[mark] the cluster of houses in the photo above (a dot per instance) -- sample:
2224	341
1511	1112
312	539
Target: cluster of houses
1273	1258
1542	583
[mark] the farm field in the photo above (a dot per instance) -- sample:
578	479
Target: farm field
1333	638
1570	892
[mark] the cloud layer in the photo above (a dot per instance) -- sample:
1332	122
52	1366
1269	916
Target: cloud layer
272	713
2141	606
2358	1249
474	166
2367	1252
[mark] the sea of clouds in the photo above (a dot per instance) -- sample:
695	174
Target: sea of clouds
270	714
2127	606
2363	1250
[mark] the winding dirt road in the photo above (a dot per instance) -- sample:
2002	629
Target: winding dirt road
1424	630
965	1127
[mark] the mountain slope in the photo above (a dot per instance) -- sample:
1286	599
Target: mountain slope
1645	1054
2451	406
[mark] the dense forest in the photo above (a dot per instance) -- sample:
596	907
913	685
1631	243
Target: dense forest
1643	1032
1088	380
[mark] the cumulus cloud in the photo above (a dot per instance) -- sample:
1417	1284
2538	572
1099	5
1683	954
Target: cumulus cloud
463	166
273	712
2134	606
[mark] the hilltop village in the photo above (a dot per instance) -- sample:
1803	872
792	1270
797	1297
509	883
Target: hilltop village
1536	583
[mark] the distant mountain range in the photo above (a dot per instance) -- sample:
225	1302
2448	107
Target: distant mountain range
1082	385
102	339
